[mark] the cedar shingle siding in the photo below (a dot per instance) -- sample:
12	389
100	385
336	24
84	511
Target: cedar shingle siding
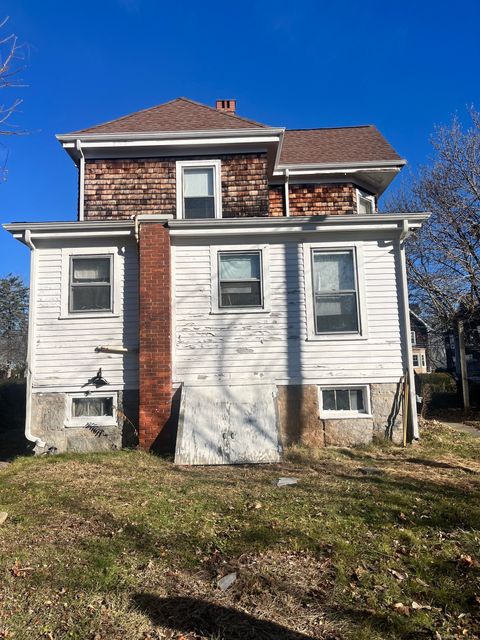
314	199
120	189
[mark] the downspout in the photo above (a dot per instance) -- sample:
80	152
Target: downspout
404	233
30	342
287	192
81	181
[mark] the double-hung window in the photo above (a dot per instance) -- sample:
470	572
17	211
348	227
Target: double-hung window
365	202
90	286
335	291
240	279
198	189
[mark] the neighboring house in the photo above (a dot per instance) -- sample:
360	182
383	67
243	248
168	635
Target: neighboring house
471	324
419	333
232	272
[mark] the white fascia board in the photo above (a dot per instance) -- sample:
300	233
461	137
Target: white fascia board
350	219
258	133
58	230
303	225
306	169
161	142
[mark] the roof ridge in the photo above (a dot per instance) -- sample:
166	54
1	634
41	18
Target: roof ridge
162	104
348	126
207	106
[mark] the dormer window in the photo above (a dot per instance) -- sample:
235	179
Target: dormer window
365	202
198	189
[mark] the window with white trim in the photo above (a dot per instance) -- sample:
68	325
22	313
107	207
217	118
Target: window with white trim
413	337
415	360
198	189
91	409
240	279
365	202
90	283
335	291
344	401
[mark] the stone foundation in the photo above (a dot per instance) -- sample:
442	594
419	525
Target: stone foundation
49	419
298	411
300	422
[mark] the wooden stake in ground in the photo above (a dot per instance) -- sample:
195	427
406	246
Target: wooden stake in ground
463	365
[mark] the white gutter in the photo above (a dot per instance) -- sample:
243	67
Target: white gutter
287	193
339	166
412	400
257	132
169	142
81	180
30	341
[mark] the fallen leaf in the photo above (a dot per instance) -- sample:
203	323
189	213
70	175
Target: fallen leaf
397	574
401	608
419	607
3	516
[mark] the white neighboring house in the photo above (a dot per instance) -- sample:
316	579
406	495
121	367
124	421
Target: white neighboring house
213	251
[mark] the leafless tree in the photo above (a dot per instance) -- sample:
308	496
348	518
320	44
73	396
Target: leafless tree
443	258
12	59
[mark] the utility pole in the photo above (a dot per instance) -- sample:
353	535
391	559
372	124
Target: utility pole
463	365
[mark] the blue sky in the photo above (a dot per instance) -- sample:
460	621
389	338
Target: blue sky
404	66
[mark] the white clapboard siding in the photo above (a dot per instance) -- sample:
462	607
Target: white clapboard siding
64	348
273	346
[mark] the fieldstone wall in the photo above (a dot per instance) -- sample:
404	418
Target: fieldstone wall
118	189
48	423
300	422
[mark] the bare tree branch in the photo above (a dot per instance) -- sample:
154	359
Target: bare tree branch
443	258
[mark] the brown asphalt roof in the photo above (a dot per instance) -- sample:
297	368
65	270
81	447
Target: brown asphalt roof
180	114
342	144
300	146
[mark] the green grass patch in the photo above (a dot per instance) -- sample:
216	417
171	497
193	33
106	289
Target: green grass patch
126	545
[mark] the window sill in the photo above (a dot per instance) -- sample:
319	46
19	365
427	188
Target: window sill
89	315
344	415
89	423
246	310
334	337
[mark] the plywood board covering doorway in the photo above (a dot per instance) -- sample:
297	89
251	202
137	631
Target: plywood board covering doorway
228	425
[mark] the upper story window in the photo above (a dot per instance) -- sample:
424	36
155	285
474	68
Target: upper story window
335	291
198	189
365	202
413	337
90	284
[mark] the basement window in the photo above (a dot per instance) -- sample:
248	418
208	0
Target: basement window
365	202
344	402
91	409
90	284
198	189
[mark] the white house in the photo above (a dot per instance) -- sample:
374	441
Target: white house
226	282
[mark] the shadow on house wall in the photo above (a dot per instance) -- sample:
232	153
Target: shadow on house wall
12	420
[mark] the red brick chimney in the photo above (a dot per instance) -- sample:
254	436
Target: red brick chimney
229	106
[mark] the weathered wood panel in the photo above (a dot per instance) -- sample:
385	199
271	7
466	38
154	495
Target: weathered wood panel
228	425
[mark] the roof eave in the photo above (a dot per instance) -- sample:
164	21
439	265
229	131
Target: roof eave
168	135
342	166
